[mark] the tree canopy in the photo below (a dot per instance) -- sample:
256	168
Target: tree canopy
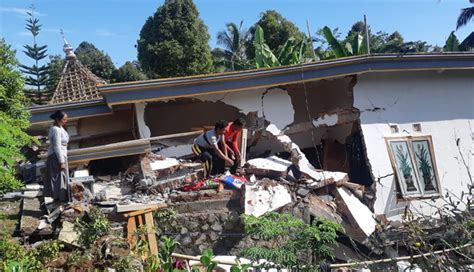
277	30
128	72
174	42
13	117
97	61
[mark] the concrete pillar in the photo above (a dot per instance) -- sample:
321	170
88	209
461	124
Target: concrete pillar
143	129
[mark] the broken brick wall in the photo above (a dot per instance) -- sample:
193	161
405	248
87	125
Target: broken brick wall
441	105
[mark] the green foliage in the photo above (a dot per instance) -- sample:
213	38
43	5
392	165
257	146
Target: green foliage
36	74
277	31
291	238
13	118
240	267
97	61
468	43
91	227
465	16
174	42
15	257
292	52
233	41
264	57
55	68
331	46
206	260
128	72
164	254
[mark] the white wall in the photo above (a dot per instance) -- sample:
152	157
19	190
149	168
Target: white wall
443	103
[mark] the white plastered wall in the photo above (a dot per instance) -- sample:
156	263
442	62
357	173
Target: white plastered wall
442	103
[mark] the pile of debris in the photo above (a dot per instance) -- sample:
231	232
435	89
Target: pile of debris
260	186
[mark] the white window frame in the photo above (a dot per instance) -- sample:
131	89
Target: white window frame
413	183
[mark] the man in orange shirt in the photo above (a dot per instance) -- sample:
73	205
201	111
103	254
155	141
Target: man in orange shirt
231	136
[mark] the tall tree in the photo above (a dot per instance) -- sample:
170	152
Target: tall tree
233	42
55	68
465	16
95	60
13	117
174	42
452	43
128	72
277	31
37	74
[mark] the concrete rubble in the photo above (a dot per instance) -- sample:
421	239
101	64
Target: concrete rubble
265	196
207	208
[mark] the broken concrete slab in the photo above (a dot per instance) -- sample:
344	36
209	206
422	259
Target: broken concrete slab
164	164
174	181
265	196
68	235
319	207
272	167
329	177
358	215
32	187
303	163
31	214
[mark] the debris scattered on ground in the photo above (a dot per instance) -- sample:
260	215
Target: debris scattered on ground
265	196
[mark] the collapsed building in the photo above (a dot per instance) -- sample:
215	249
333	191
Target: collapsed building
376	137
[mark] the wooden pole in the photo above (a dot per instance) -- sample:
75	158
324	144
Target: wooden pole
367	41
311	41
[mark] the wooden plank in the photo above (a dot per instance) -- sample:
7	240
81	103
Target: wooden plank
243	146
157	207
140	224
151	233
101	149
131	232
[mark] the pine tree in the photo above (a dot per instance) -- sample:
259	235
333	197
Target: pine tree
174	42
37	75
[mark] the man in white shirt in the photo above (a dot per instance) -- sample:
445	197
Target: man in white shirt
211	149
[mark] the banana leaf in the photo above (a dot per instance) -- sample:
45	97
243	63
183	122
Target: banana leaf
264	57
335	45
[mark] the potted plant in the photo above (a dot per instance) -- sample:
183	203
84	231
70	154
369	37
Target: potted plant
424	164
405	168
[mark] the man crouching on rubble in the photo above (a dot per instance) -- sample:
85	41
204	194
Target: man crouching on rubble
211	149
231	136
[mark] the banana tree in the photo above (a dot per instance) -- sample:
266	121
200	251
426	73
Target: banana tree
356	47
264	57
291	53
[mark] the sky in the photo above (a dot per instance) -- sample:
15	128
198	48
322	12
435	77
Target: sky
114	25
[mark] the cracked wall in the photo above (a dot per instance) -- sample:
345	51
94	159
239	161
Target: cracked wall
325	135
442	104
